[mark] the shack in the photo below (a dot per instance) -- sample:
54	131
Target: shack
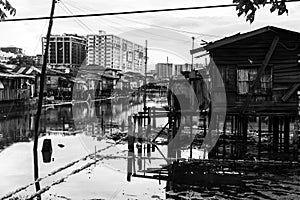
259	71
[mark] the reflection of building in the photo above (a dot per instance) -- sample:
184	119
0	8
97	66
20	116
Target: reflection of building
114	52
164	70
66	50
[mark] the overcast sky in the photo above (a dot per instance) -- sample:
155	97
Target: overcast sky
157	28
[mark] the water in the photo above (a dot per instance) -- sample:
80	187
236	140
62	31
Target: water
75	132
81	123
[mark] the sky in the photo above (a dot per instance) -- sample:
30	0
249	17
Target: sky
165	32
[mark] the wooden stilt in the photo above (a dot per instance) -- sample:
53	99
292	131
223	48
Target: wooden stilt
130	149
296	139
286	134
280	134
140	139
245	134
259	137
191	136
224	135
275	134
232	133
154	117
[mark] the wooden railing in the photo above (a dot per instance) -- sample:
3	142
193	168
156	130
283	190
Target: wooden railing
14	94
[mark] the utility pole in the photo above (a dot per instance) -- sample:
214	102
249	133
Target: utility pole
193	40
40	99
168	67
145	80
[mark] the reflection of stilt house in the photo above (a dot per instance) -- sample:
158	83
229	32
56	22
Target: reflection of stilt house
260	73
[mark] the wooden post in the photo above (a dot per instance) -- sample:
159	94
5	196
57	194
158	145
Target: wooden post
275	134
102	123
224	141
170	137
134	139
296	139
140	139
204	126
286	134
191	136
245	133
149	131
280	133
259	137
232	133
93	129
237	135
154	117
130	149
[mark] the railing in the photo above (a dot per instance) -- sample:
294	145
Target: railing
14	94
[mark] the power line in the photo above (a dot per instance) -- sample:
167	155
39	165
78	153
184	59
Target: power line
147	24
147	32
78	21
120	13
130	12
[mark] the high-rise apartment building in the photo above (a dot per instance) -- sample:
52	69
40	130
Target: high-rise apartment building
67	50
111	51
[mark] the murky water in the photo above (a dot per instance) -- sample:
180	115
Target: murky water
86	165
75	132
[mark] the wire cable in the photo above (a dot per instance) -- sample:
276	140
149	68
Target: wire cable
121	13
78	21
129	12
143	23
134	33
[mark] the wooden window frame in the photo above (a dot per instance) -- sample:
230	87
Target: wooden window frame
255	92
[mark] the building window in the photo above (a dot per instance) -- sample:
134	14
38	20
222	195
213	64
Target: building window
246	77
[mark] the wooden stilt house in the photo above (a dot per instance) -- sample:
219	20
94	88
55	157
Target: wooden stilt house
260	72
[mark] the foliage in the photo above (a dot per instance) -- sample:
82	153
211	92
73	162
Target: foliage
249	7
5	7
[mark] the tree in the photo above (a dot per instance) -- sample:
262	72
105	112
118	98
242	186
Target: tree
5	7
249	7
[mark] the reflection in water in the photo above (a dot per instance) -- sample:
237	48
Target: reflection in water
16	128
92	120
19	127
